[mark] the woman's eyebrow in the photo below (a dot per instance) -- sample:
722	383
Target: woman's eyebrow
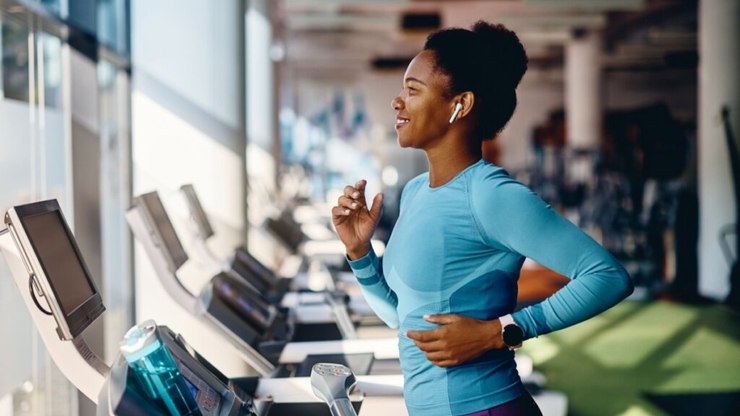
412	79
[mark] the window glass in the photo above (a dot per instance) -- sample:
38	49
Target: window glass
58	7
112	25
83	16
15	61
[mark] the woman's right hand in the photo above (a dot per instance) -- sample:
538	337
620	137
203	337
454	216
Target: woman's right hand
354	221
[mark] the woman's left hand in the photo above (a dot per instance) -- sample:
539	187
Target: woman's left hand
457	339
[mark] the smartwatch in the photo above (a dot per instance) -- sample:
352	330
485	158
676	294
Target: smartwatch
511	332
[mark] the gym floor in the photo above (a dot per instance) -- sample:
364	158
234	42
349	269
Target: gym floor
644	358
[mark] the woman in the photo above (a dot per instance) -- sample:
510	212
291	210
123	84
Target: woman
449	275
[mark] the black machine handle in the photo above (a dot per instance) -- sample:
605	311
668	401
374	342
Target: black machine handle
734	159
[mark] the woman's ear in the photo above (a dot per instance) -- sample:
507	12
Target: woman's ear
463	105
467	99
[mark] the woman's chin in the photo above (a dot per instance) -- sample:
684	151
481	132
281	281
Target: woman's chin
403	142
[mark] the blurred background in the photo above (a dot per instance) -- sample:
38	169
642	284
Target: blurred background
626	123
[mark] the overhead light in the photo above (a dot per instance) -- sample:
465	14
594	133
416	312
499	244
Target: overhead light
550	21
277	51
337	21
547	37
603	5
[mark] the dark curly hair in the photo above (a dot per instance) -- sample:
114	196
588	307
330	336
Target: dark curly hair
488	60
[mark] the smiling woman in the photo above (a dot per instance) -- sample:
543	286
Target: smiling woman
422	109
449	276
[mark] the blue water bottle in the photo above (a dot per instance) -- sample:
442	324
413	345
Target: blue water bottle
155	369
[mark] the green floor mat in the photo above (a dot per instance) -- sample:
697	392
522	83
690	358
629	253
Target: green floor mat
645	359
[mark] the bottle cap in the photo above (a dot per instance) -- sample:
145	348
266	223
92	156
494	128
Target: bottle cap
139	341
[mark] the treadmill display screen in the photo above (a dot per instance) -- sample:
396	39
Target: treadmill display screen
58	266
191	387
165	230
59	260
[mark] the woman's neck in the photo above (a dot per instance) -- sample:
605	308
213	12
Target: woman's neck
446	163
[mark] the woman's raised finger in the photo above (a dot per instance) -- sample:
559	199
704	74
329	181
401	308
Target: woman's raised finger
351	192
346	202
340	212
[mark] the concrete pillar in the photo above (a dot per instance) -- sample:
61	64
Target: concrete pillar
583	103
719	85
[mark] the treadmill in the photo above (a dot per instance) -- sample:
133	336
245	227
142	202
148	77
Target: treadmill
242	262
264	334
268	283
63	300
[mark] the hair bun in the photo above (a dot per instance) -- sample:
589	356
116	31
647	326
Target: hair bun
506	50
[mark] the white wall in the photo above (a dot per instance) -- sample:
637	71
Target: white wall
186	128
190	48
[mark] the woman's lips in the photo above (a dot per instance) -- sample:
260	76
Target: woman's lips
400	122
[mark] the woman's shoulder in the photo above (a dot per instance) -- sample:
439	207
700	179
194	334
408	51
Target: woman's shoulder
491	182
417	181
489	174
412	186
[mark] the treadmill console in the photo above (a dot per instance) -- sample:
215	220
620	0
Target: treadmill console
212	391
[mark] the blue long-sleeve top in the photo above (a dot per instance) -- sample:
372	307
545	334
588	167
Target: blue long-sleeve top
458	248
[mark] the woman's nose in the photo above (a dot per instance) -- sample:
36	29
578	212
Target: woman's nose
396	103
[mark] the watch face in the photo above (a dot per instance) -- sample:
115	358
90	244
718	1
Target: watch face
513	335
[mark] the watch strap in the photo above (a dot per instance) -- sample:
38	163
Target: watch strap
505	321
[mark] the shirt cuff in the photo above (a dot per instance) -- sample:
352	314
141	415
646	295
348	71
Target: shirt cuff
366	268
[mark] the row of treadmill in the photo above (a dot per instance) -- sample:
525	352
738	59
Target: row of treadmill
302	346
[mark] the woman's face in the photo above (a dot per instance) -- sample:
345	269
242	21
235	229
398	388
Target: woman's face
422	111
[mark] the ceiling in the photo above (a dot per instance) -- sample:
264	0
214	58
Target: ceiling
332	36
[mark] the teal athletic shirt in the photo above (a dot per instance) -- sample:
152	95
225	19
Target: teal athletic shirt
458	249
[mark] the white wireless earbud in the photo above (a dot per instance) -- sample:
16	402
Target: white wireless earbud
458	107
